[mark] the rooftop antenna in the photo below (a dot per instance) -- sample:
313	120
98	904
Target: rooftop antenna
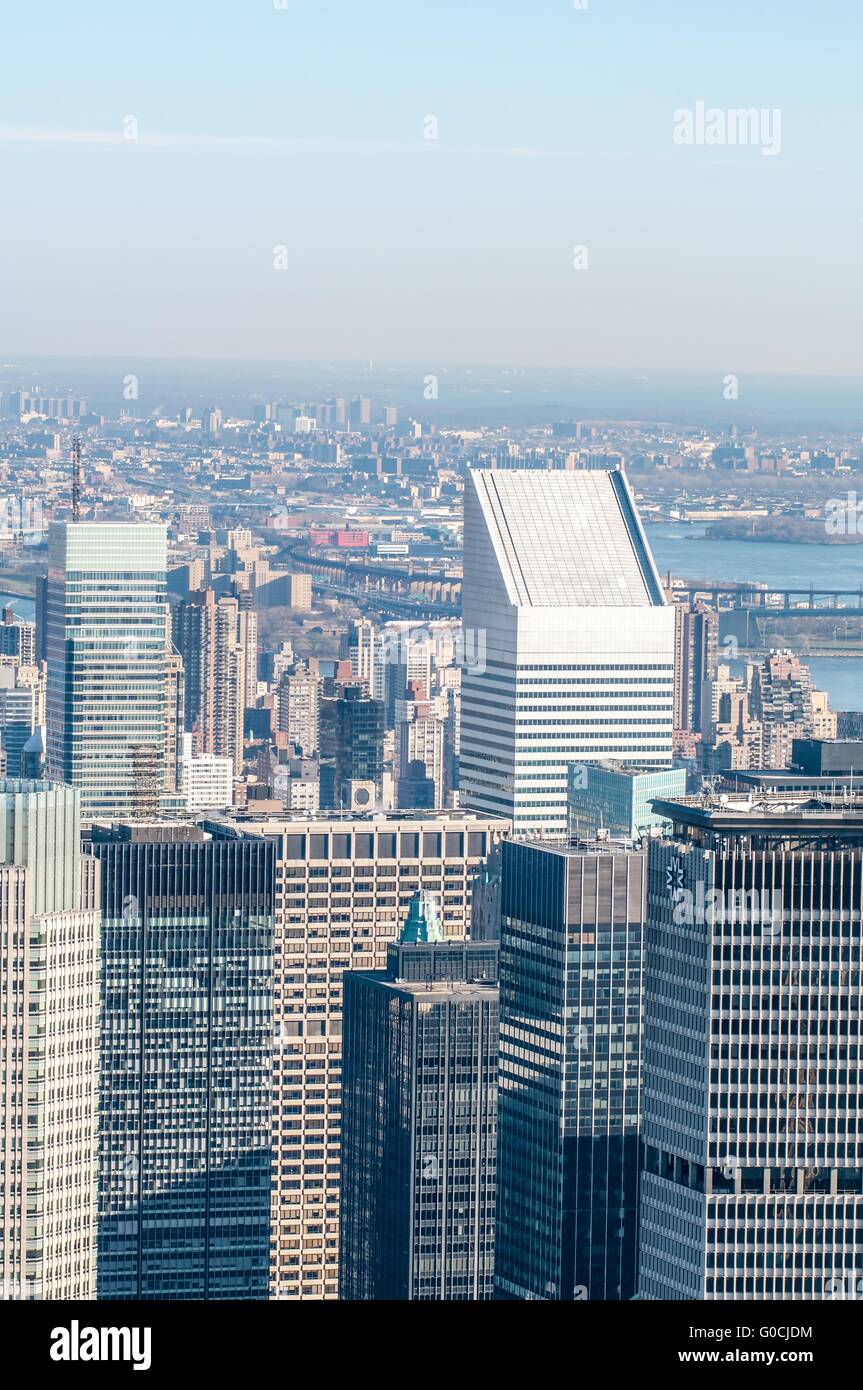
76	479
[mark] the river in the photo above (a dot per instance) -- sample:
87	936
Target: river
686	551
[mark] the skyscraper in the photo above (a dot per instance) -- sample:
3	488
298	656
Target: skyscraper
49	1053
421	762
217	640
300	710
106	642
579	640
186	1058
419	1119
344	888
571	957
753	1090
696	642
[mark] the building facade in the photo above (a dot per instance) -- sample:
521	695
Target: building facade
579	640
107	674
753	1090
611	797
49	1049
344	889
420	1122
571	963
186	1058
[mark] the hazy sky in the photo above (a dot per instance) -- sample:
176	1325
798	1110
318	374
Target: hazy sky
303	127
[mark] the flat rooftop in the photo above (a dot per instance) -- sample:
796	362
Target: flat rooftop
764	812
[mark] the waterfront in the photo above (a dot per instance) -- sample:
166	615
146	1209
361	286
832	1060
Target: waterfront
687	552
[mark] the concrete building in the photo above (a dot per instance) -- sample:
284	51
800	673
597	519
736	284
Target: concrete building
217	640
300	710
578	662
207	782
49	1058
344	890
696	643
422	766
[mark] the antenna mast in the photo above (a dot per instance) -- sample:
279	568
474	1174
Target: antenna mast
76	479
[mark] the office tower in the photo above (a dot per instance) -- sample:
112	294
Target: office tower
421	762
579	640
300	710
17	638
345	886
609	797
696	642
49	1059
206	781
186	1057
219	654
19	717
753	1181
107	636
359	759
419	1119
211	420
571	952
391	416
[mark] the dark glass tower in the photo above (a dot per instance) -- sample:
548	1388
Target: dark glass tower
419	1121
186	1040
359	743
572	927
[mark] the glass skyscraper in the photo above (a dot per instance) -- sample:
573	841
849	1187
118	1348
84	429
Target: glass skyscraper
572	928
186	1060
106	641
419	1122
611	796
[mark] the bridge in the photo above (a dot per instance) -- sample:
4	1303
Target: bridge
415	589
768	602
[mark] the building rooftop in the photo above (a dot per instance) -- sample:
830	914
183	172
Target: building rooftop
568	539
729	811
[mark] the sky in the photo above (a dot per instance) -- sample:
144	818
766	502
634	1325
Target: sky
278	197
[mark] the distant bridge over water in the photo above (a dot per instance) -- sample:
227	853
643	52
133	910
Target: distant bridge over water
768	602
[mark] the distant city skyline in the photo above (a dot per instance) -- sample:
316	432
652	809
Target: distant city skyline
486	184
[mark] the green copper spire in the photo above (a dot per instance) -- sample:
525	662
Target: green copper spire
423	920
